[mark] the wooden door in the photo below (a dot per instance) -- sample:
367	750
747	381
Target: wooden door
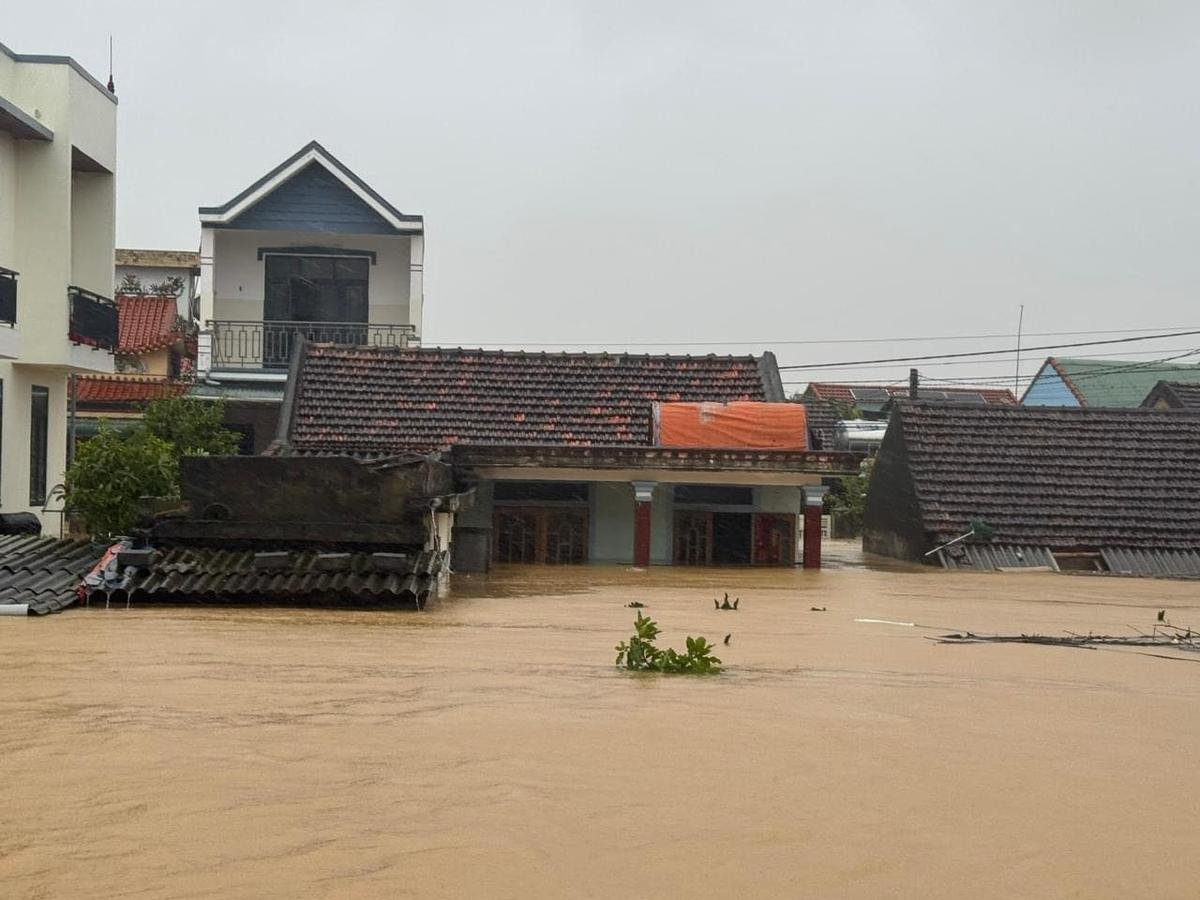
693	538
774	539
540	535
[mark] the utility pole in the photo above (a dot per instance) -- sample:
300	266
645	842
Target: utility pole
914	378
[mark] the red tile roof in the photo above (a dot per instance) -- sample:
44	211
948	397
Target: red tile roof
870	393
104	389
146	323
384	399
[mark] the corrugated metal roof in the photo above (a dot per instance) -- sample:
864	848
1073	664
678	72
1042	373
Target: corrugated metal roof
1119	383
44	572
1163	563
993	557
188	574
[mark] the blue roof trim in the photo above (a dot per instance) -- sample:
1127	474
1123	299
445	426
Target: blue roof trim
327	159
51	59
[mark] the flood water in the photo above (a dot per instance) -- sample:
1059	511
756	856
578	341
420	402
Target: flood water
487	747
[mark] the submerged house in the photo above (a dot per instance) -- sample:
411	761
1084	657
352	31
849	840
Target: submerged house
574	458
311	251
1085	489
1108	383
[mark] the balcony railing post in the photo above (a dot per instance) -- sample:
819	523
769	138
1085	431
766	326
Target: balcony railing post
268	345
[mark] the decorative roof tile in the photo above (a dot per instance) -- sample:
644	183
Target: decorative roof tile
104	389
385	399
146	323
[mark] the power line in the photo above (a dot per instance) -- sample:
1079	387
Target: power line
907	359
776	342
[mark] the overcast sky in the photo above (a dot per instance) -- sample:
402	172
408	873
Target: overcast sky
692	170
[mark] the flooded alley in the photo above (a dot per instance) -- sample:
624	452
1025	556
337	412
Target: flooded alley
489	747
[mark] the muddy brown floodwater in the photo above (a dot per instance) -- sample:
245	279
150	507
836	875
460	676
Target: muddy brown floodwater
488	747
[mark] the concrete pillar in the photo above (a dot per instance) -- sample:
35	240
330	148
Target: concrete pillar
643	496
814	499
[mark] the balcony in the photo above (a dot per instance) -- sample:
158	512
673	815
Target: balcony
268	345
93	320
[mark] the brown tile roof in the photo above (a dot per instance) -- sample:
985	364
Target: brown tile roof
877	394
146	323
380	399
1064	478
1174	395
125	389
159	259
822	418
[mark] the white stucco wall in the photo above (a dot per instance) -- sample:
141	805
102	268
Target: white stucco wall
93	231
14	439
8	201
239	277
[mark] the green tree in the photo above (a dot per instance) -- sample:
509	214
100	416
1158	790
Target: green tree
847	499
193	427
112	472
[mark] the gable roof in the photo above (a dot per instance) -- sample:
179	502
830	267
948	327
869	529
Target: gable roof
311	153
1173	395
1114	383
1063	478
873	397
822	419
146	323
379	400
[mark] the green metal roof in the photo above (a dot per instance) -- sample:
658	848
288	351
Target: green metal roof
1120	382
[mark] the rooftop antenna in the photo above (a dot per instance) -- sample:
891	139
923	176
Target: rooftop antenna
112	88
1017	375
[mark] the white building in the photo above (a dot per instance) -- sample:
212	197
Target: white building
308	250
58	129
157	267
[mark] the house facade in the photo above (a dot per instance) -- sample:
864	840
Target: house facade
575	458
308	251
57	236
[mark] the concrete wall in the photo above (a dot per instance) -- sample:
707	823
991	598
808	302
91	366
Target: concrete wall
14	438
8	201
93	231
239	276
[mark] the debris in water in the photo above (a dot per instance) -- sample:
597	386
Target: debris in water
887	622
727	637
816	609
635	604
1163	635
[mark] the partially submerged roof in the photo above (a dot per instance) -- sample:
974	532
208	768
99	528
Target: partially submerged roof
208	574
44	572
360	400
146	323
1173	395
1112	383
158	259
1062	478
872	398
312	191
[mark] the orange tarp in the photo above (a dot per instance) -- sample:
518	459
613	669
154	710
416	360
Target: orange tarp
742	424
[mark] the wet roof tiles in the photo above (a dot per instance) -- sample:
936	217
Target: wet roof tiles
44	572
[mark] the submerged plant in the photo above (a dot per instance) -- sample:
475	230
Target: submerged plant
640	654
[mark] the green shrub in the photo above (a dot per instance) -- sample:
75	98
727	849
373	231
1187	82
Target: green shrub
639	653
112	472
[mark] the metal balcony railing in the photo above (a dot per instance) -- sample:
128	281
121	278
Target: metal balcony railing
93	319
8	297
268	345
